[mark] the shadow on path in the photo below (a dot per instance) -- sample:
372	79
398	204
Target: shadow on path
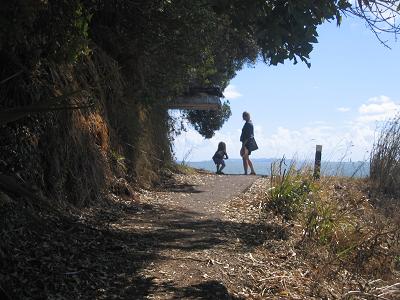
102	258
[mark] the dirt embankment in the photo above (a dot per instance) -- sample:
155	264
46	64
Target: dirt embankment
74	155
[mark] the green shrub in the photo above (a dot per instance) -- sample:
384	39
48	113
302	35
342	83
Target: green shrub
290	189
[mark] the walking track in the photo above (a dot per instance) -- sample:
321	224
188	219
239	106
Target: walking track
193	241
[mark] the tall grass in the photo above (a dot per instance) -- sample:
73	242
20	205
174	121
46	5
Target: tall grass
290	188
339	225
385	159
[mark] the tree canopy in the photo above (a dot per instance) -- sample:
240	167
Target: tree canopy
207	122
164	47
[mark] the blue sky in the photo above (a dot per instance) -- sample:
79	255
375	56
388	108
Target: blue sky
340	102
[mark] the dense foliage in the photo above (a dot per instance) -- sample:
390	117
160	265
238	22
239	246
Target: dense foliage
35	31
163	46
207	122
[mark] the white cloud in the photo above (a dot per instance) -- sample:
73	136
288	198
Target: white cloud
341	141
231	92
343	109
379	99
191	146
378	109
282	141
316	123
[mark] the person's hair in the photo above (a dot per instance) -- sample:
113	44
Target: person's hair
221	146
246	116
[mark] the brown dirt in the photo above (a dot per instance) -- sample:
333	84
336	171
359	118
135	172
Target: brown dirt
196	236
210	245
123	248
194	239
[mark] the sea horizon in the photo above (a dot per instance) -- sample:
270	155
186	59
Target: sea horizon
262	166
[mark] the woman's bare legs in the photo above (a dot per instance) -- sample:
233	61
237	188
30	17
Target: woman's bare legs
246	161
245	165
244	153
250	165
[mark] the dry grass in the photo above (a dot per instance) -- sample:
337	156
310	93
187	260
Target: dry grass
341	223
344	234
385	159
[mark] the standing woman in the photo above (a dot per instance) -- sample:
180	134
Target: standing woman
248	143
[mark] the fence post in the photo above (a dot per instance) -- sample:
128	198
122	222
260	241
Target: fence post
317	164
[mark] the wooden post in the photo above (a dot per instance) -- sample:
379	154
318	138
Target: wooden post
317	164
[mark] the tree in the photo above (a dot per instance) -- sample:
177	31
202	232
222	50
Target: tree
207	122
379	15
164	47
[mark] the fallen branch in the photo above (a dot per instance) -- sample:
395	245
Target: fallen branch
10	77
14	114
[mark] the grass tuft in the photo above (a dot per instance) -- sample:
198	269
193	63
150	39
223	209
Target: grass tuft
290	189
385	159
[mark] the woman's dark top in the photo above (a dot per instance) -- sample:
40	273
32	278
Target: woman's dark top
247	137
247	131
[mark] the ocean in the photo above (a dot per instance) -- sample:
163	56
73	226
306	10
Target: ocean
263	167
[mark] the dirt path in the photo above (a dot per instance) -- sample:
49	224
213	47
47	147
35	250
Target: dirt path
196	237
192	236
206	195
